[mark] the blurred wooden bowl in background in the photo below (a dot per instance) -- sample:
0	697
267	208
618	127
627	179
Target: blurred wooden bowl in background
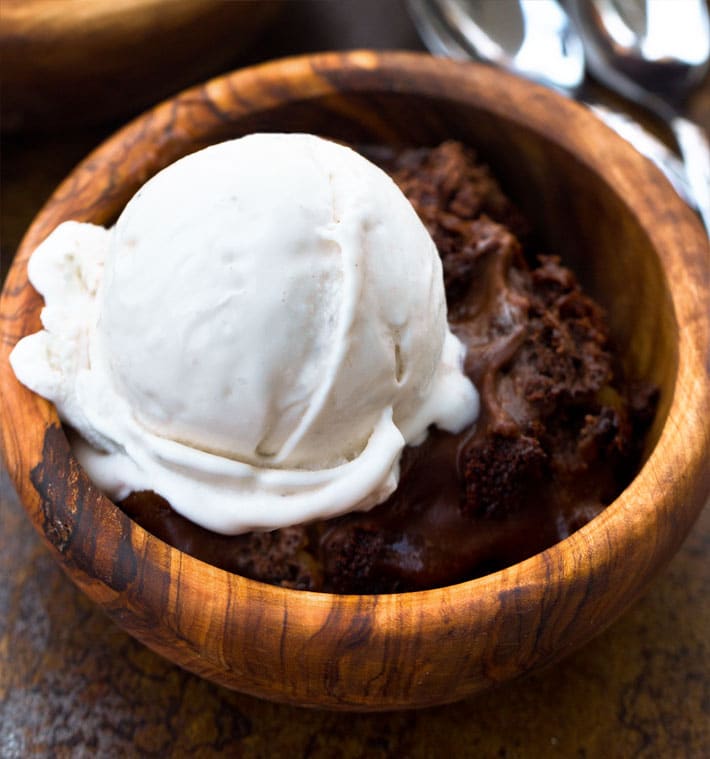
83	62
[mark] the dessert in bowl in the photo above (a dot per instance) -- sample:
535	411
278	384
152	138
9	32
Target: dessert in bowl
600	212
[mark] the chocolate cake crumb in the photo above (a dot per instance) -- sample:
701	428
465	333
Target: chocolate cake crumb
499	472
349	562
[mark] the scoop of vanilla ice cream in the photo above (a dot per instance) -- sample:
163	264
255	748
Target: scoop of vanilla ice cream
256	339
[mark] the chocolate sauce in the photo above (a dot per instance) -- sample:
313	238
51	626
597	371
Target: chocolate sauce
557	439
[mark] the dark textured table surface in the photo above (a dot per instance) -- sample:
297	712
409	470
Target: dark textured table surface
73	684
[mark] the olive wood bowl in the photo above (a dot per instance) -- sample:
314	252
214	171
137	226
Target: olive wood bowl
597	202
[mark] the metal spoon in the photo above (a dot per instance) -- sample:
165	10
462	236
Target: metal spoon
500	33
653	52
535	39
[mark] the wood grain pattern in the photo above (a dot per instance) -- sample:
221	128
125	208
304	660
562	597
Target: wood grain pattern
73	684
73	62
601	205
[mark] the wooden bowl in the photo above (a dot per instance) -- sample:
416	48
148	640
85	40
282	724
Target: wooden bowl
596	201
77	62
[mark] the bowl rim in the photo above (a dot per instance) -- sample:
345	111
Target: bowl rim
672	474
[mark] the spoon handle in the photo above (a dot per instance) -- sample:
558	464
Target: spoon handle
694	148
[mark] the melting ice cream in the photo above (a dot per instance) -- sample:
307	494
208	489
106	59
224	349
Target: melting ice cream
256	340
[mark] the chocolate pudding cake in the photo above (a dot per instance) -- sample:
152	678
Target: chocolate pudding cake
559	435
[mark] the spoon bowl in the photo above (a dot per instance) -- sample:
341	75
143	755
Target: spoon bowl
533	38
653	57
650	42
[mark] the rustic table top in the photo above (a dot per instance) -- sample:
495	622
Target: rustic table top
73	684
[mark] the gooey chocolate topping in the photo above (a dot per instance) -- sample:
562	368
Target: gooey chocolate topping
559	435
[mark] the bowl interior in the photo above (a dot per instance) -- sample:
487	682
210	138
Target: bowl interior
576	212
